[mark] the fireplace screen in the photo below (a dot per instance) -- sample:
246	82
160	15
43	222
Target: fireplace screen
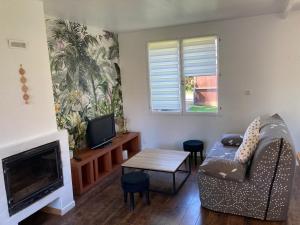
31	175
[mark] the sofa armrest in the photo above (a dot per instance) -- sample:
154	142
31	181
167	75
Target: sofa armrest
224	169
220	163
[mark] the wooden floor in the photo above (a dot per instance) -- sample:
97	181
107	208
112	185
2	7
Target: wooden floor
104	205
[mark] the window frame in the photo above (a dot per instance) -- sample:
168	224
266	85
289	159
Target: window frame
183	101
149	79
183	110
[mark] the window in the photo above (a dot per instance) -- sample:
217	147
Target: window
183	75
164	74
199	59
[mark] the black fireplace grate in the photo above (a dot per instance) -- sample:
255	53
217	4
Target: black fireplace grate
31	175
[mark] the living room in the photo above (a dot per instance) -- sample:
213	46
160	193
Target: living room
149	112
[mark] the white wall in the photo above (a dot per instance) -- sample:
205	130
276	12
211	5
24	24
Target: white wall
261	54
24	20
22	126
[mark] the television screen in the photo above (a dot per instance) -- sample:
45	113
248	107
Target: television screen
100	131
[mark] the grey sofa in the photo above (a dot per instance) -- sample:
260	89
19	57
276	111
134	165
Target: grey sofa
260	188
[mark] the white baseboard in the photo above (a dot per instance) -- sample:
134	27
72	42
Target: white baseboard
67	208
59	212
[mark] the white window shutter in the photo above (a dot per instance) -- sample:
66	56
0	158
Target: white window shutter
200	56
164	75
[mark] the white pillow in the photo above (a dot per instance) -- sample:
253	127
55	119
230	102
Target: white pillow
250	141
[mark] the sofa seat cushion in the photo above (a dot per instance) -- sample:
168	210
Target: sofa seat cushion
220	163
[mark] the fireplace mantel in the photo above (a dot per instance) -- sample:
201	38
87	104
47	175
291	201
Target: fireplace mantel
60	200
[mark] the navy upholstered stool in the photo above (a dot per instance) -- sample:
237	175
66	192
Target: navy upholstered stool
135	182
194	146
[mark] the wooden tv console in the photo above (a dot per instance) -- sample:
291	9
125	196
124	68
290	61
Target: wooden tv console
98	163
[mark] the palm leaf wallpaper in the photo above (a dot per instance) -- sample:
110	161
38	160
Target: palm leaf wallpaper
85	76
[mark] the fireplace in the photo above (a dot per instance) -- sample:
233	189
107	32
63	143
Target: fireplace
31	175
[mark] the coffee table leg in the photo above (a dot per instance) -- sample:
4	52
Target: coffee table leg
190	166
174	183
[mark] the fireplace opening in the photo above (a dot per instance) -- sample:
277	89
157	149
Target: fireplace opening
31	175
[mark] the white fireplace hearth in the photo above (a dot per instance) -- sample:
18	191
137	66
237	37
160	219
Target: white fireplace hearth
59	201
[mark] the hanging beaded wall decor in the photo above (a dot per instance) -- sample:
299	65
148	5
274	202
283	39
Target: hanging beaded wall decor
24	87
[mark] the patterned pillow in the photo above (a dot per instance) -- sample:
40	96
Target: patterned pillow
250	141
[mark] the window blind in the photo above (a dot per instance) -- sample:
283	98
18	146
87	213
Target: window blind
164	75
200	56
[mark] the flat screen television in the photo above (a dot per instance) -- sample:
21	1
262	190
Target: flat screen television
100	131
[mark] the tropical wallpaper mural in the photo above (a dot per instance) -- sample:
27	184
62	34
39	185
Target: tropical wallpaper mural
85	75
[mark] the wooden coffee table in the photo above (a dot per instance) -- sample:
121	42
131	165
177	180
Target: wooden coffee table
167	161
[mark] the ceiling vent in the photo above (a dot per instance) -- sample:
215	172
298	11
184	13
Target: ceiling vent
17	44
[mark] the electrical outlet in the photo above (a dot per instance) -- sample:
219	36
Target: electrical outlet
247	92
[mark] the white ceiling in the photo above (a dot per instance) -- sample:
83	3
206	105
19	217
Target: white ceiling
128	15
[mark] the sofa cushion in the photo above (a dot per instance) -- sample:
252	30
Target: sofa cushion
250	141
274	127
220	163
232	140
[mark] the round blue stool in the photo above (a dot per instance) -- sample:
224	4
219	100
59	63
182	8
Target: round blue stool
135	182
194	146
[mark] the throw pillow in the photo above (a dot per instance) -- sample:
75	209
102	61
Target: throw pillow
250	141
234	140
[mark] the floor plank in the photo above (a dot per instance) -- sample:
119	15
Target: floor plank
104	205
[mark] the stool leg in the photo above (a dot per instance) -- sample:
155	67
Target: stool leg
201	154
131	201
147	197
195	155
125	196
141	194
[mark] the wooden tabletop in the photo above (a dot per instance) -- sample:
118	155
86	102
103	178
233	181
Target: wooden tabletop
157	159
